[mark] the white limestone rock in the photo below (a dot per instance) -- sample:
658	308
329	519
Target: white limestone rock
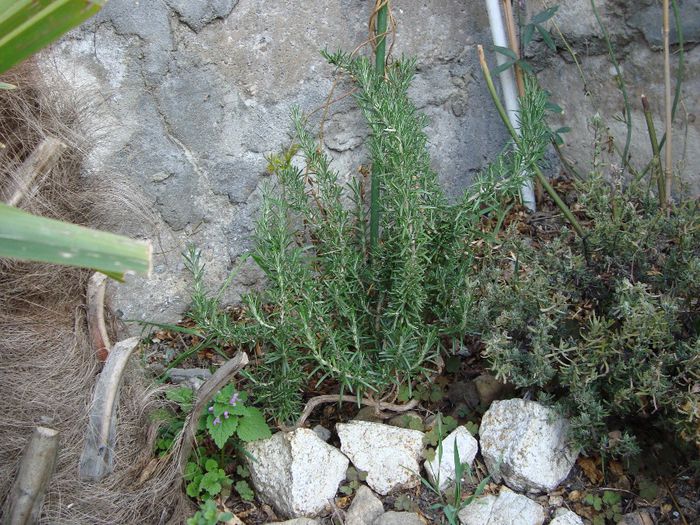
287	472
566	517
525	444
508	508
388	454
442	469
365	508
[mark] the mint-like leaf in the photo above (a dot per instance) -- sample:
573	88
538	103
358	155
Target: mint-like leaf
183	396
223	430
191	470
210	483
211	465
193	486
252	426
224	394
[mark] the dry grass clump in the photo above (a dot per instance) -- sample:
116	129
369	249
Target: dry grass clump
47	367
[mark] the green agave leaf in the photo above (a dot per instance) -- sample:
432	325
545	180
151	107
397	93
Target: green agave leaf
26	26
30	238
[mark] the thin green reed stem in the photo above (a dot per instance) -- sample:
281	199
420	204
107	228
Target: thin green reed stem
538	173
380	51
380	59
656	162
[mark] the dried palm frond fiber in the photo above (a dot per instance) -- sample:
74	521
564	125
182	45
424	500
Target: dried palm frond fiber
48	370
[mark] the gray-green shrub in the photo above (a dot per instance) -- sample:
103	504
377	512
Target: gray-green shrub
609	326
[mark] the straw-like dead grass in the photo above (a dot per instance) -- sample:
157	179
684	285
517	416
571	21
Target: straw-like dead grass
47	368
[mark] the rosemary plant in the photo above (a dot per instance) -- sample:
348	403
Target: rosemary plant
338	310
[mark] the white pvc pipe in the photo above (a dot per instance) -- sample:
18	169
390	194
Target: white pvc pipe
510	92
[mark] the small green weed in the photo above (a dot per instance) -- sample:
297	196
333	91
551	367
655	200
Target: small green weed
354	479
228	416
608	507
206	479
450	504
209	514
433	438
227	422
405	503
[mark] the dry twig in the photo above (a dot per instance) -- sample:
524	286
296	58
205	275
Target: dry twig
96	316
336	398
97	459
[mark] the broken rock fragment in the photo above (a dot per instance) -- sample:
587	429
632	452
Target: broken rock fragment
441	470
525	444
296	472
388	454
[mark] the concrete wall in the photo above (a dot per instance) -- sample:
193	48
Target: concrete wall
189	96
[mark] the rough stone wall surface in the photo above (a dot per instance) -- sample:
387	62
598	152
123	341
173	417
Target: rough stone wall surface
634	30
189	97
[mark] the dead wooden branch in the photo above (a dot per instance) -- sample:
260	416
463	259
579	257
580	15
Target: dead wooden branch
35	471
96	316
97	459
216	382
29	175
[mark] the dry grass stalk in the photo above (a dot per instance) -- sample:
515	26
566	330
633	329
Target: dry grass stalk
656	172
513	41
35	471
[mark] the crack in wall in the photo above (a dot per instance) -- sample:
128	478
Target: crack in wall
189	156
